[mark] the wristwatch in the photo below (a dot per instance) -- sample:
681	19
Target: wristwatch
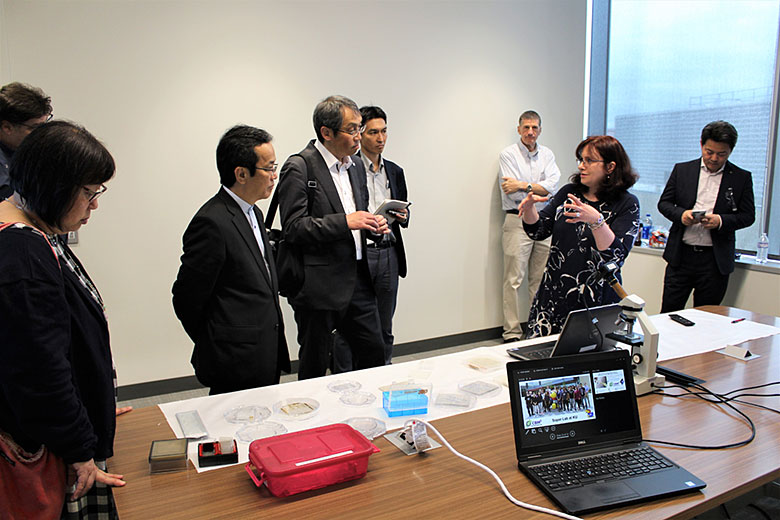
528	188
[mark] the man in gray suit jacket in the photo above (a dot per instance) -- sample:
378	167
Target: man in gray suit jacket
322	203
226	292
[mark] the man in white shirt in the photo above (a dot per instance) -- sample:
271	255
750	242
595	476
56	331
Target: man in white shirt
524	166
707	200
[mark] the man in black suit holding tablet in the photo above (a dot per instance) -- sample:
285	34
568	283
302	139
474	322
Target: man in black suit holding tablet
707	200
226	293
385	180
322	203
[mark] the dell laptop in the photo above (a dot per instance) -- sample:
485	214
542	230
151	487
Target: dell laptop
578	436
583	331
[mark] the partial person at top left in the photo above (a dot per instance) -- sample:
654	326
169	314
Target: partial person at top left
22	109
57	383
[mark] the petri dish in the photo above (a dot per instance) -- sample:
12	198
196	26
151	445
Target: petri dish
246	414
370	427
297	408
357	398
485	364
455	401
252	432
479	388
343	385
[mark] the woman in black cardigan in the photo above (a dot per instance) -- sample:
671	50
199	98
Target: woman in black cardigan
56	375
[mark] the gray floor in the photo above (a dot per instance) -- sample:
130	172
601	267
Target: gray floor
189	394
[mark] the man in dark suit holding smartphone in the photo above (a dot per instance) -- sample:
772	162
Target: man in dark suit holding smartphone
322	203
707	200
226	292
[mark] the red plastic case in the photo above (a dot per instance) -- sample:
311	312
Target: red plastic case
309	459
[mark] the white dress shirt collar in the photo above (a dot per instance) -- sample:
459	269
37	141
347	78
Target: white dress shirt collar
330	159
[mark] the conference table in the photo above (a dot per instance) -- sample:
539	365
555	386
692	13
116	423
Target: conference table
439	485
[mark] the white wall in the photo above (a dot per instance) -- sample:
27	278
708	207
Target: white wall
159	82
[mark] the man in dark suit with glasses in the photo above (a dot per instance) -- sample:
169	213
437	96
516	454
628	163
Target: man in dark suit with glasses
226	294
322	202
707	200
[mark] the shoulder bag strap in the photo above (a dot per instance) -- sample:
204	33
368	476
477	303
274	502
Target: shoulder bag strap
310	185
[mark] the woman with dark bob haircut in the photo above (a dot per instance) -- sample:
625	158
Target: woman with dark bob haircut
57	397
593	219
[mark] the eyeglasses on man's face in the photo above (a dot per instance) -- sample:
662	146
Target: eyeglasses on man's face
92	195
353	130
36	125
269	169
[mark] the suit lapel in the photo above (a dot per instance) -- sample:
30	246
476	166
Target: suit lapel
692	192
241	224
268	253
357	177
726	191
391	177
325	180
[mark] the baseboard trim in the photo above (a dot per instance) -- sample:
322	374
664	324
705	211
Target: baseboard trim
182	384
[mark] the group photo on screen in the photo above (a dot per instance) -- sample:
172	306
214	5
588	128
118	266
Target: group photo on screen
557	400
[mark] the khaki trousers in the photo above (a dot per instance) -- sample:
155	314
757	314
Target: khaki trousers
522	256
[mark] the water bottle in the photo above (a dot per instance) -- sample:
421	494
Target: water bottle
647	227
762	251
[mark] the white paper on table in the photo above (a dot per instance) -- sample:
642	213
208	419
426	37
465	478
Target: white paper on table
710	332
445	373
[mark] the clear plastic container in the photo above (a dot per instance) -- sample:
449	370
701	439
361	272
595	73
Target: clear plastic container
357	398
485	363
343	385
406	398
368	426
762	249
297	408
252	432
479	388
455	401
246	414
647	227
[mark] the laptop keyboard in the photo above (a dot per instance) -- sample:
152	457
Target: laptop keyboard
608	466
539	351
539	354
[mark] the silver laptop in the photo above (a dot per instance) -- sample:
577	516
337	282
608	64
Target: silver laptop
578	435
584	330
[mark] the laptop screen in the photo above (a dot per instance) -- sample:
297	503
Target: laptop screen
572	402
586	330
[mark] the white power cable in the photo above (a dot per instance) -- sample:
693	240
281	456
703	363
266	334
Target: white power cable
495	476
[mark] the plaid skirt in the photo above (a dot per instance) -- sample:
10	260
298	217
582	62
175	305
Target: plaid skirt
97	504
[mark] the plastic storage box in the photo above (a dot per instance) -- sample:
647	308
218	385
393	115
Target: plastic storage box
406	399
309	459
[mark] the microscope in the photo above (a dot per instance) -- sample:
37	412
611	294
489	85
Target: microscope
644	347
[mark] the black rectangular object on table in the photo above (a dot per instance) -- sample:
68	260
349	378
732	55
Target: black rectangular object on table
584	330
584	449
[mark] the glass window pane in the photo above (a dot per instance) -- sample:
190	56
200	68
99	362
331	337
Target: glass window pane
675	66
